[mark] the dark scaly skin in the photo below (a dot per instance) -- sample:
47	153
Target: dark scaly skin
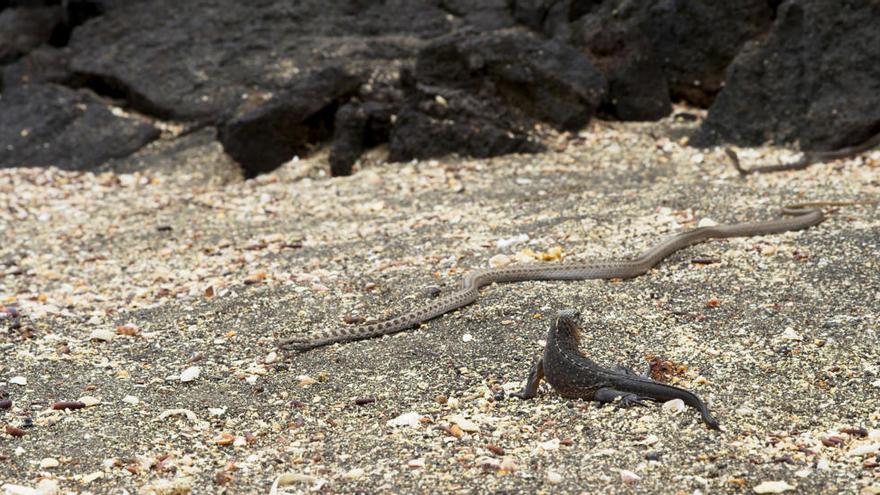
575	376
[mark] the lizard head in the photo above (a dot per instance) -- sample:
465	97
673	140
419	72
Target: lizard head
567	324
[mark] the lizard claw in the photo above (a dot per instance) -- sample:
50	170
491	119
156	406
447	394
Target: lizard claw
630	400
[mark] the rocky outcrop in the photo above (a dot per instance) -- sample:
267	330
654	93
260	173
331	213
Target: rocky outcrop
274	131
815	79
46	124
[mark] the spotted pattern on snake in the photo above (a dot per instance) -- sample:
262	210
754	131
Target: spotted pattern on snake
796	217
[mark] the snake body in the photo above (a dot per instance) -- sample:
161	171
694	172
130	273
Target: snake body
796	217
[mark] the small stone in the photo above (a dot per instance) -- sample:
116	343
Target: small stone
129	330
48	487
178	412
553	477
505	243
706	222
18	380
467	337
441	399
102	334
508	464
14	431
49	462
865	449
790	334
674	406
465	424
499	260
628	476
68	404
416	463
90	401
130	399
495	449
454	430
411	419
190	374
354	474
224	439
773	487
552	254
769	250
305	380
272	357
291	478
92	477
551	444
649	440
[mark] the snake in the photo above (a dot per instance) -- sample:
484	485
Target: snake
794	217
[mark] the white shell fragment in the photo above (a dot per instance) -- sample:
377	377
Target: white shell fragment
773	487
411	419
190	374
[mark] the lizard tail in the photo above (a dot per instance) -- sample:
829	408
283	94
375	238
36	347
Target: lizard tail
661	391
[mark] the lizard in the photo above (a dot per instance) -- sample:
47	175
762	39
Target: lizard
576	376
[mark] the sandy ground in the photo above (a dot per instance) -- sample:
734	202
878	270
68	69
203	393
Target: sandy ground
156	298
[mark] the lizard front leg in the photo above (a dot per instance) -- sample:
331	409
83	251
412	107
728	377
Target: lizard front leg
536	374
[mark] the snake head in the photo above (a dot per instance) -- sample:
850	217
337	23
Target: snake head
567	324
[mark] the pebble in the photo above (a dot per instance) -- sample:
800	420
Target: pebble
551	444
224	438
68	404
178	412
510	241
89	401
628	476
190	374
499	260
354	474
553	477
305	380
465	424
411	419
44	487
5	403
706	222
14	431
649	440
49	462
102	334
467	337
773	487
790	334
130	399
416	463
674	406
92	477
508	464
865	449
18	380
272	357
